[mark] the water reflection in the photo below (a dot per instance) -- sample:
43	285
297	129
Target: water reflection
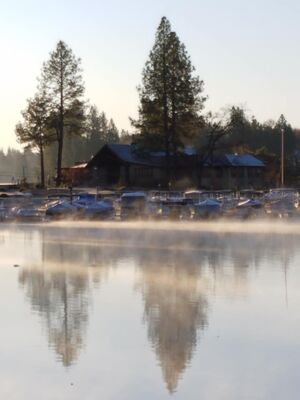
62	299
178	275
59	290
176	308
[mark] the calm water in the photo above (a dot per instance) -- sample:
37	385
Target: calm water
116	313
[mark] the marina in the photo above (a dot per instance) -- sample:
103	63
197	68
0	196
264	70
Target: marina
149	205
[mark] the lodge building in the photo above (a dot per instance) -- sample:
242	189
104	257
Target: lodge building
121	165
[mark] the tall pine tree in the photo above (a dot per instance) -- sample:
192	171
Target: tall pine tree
34	131
170	94
62	81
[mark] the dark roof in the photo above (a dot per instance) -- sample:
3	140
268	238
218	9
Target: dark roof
130	154
240	160
235	160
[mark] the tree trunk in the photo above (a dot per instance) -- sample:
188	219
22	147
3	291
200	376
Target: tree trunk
59	161
165	120
60	149
61	127
173	133
42	167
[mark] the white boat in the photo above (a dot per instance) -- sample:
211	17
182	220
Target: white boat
60	209
209	208
252	203
249	208
133	205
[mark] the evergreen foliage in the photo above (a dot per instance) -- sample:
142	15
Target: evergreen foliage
94	131
99	131
34	131
62	82
112	135
170	94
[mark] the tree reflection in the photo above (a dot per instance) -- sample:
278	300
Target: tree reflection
179	273
59	289
62	300
175	304
177	284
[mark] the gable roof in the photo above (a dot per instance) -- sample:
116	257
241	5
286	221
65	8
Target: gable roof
242	160
129	154
234	160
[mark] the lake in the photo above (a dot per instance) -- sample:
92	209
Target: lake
150	311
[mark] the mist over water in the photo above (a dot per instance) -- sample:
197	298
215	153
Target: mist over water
150	310
279	226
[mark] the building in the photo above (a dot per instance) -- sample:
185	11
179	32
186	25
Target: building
233	171
127	166
76	174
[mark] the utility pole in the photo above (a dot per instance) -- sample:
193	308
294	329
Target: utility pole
282	157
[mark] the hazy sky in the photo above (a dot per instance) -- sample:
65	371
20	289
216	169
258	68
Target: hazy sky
247	52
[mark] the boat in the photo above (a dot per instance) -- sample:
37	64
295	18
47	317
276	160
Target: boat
250	208
102	209
30	214
61	208
209	208
133	205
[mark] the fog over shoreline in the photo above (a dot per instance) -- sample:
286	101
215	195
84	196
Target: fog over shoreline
220	226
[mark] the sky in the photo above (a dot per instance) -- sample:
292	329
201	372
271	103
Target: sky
246	52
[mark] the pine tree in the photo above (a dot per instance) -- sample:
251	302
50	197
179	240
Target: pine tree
99	130
170	95
62	81
94	131
103	127
112	132
125	137
34	131
289	136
